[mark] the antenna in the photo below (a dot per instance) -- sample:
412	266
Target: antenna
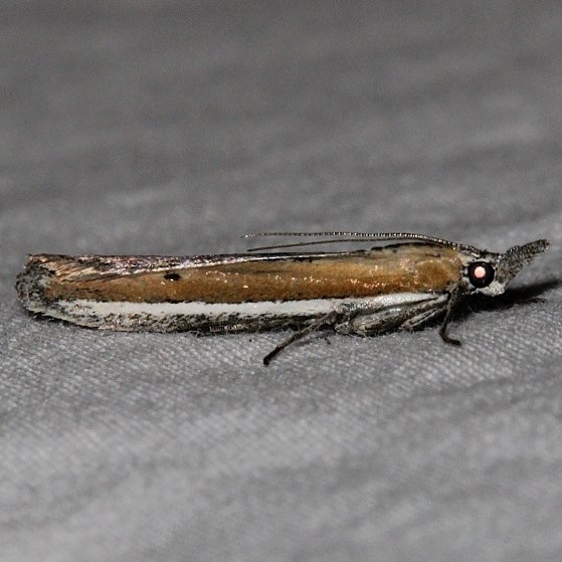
348	236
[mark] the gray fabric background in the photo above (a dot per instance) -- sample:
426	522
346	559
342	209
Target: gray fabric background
172	127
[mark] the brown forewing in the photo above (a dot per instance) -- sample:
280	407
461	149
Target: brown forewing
402	268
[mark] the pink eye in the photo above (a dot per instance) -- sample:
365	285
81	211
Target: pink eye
480	274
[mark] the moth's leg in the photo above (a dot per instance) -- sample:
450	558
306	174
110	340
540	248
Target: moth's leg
422	318
405	315
328	320
451	304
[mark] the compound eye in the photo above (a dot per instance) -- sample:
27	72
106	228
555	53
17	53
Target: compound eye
480	274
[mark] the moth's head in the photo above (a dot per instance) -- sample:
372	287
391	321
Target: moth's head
489	273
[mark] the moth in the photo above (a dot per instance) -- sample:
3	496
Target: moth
403	284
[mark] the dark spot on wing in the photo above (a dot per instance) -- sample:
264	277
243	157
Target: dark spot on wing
172	276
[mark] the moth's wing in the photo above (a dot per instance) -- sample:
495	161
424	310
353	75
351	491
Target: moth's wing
89	267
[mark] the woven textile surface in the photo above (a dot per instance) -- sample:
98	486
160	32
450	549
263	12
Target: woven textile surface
167	127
